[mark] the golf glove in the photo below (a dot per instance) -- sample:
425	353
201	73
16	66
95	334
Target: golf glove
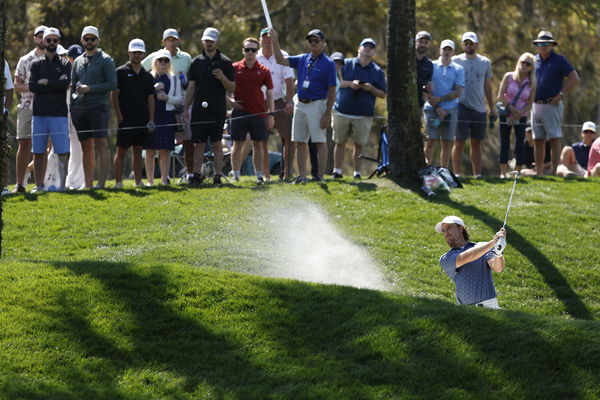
500	246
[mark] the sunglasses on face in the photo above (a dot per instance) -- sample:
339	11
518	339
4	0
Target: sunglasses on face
311	41
250	49
89	39
51	40
542	44
526	63
163	60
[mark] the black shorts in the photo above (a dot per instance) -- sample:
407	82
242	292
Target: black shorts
131	133
243	123
90	122
207	125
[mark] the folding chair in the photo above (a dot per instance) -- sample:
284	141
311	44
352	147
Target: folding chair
383	155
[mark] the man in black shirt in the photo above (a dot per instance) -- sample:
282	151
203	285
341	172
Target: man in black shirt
424	64
49	80
211	76
133	101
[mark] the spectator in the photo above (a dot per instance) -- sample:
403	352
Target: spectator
470	264
471	105
362	81
316	95
168	98
441	108
574	159
248	115
93	77
211	76
424	65
6	105
547	111
594	159
529	165
338	58
75	176
516	94
25	107
283	91
180	63
62	52
49	81
133	102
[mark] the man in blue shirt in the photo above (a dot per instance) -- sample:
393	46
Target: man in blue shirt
547	111
441	108
314	101
574	158
470	264
362	81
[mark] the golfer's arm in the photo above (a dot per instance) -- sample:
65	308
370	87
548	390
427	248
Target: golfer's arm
497	263
279	57
474	253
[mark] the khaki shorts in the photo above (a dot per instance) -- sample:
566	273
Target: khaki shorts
24	118
357	129
306	123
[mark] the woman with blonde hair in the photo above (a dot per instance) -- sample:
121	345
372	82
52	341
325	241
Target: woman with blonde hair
168	98
515	99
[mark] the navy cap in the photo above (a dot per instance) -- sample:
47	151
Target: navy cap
317	33
75	51
368	40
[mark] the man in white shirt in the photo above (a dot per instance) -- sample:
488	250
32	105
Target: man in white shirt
7	103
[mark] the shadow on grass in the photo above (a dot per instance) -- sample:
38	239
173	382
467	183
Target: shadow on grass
553	278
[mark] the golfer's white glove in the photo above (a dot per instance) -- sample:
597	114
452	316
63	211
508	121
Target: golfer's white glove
500	246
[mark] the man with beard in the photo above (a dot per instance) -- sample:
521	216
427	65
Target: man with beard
93	77
25	107
211	76
424	65
49	80
470	264
133	102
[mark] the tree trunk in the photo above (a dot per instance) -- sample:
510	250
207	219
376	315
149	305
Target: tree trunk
3	126
404	124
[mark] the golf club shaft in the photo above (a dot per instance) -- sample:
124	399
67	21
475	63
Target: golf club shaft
510	200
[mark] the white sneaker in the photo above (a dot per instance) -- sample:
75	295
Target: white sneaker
118	185
5	191
38	189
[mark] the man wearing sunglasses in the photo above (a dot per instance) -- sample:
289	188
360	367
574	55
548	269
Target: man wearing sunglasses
547	112
574	159
25	106
93	77
315	98
49	81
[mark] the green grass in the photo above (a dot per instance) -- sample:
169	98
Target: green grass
140	294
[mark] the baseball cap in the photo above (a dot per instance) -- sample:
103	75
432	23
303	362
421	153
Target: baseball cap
545	37
368	40
51	31
451	219
588	126
337	56
163	53
472	36
75	51
170	33
423	34
90	30
447	43
60	50
39	29
210	34
137	45
317	33
264	31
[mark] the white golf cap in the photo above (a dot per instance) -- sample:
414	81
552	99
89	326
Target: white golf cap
50	32
90	30
472	36
447	43
210	34
60	50
137	45
170	33
451	219
588	126
39	29
163	53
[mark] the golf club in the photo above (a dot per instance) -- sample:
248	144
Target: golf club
501	243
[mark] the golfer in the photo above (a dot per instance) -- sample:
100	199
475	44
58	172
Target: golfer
470	264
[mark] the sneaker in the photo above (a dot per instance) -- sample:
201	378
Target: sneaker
217	180
37	189
149	184
19	189
52	188
316	179
260	180
98	187
235	178
196	180
5	191
299	180
139	185
337	175
357	176
118	185
478	176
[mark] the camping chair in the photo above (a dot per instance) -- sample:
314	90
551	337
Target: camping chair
383	155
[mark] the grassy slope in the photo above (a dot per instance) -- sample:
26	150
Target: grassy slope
98	299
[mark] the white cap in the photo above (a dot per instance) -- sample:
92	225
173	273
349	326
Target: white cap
51	31
137	45
170	33
451	219
588	126
39	29
210	34
90	30
447	43
60	50
472	36
163	53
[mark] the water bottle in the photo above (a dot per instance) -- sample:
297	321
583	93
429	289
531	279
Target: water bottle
183	80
